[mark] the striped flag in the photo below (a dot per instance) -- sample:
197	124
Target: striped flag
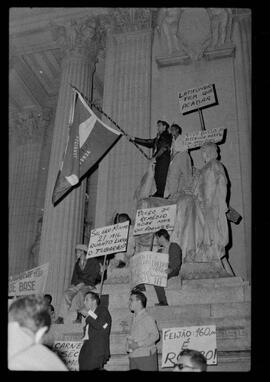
89	141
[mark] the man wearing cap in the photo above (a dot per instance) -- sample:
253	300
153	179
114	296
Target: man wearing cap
86	274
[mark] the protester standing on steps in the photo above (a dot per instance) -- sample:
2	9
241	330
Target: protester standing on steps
144	333
161	145
175	261
86	274
95	351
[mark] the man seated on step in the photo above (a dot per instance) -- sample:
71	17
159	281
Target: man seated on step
86	274
175	261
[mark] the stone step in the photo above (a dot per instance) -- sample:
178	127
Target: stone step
233	333
204	291
227	361
121	317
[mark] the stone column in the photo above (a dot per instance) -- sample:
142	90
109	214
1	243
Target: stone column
126	99
62	225
242	74
27	131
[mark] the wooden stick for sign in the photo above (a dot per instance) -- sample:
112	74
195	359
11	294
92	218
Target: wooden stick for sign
152	242
201	119
102	276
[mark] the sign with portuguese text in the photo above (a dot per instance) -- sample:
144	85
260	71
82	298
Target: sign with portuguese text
197	98
68	351
108	239
149	268
152	219
32	281
201	338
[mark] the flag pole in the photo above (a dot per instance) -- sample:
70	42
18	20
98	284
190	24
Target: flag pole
110	119
102	276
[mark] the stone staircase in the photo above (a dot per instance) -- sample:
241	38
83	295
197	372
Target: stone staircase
224	302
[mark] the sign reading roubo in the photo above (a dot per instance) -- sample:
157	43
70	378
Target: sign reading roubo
152	219
201	338
197	98
108	239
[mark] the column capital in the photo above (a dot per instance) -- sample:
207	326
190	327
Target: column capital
30	126
78	37
130	19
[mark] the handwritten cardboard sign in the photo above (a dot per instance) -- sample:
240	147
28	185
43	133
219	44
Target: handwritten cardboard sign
201	338
197	98
149	268
69	351
198	138
29	282
109	239
152	219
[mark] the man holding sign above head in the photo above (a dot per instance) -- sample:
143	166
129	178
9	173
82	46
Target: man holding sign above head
86	275
175	261
141	343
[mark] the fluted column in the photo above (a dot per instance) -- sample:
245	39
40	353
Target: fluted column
242	72
26	130
62	225
126	99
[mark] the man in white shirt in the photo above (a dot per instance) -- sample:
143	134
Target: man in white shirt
144	333
29	320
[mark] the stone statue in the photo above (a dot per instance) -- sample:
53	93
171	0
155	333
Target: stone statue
201	224
167	26
201	227
221	19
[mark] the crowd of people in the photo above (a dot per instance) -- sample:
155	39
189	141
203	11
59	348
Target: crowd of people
30	320
30	317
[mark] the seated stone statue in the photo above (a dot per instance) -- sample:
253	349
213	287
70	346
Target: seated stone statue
200	228
201	224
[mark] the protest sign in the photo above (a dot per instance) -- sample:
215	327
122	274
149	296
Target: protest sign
152	219
149	268
29	282
68	351
198	138
197	98
201	338
108	239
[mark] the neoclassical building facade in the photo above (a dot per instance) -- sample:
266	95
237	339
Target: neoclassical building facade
132	62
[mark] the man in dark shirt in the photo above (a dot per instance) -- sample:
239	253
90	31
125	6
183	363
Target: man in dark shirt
175	261
86	275
161	154
95	351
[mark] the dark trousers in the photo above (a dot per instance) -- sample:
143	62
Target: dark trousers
161	171
149	363
160	291
88	360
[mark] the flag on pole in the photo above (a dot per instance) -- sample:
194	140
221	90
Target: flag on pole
89	141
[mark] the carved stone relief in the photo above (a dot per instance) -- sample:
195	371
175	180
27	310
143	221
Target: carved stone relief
192	31
79	37
30	126
130	19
